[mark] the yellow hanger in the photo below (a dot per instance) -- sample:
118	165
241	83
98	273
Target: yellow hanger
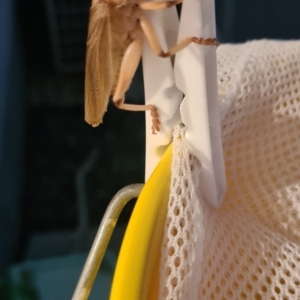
137	272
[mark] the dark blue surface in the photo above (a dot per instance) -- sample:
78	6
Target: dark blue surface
11	133
242	20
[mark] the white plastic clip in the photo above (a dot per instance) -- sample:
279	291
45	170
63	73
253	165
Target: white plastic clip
160	88
196	76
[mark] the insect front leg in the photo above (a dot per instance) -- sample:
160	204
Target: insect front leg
158	5
129	65
155	44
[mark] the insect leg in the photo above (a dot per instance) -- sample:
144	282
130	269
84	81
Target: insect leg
155	44
129	65
158	5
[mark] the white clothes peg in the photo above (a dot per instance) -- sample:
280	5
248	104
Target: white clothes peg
196	77
160	88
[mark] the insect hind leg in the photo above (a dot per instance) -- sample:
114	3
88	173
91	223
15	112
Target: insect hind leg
129	65
134	107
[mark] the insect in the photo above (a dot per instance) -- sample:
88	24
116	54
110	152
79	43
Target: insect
114	49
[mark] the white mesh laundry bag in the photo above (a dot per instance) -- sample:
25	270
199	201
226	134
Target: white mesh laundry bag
249	248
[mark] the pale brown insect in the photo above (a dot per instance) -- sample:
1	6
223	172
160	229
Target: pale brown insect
114	49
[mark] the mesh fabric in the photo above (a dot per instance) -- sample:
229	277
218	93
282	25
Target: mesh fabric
249	248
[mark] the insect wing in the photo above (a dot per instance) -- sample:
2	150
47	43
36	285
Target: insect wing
99	69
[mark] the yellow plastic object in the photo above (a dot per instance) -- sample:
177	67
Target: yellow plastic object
137	271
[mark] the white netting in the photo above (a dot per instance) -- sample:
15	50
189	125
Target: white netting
250	247
182	231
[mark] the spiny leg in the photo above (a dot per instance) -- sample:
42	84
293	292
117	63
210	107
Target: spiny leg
129	65
155	44
158	5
